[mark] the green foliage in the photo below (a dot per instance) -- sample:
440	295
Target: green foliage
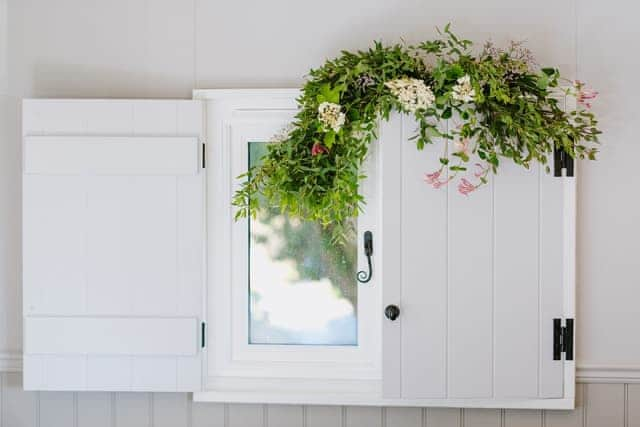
514	114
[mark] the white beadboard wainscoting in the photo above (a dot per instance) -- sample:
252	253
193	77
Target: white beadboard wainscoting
598	405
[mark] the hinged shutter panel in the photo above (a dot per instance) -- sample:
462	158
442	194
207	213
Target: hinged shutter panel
113	238
481	278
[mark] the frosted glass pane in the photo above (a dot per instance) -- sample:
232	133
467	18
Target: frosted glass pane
302	287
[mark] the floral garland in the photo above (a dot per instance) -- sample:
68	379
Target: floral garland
501	103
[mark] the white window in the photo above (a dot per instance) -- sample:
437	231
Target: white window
285	306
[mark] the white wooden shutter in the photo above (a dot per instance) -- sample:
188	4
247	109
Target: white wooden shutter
478	279
113	241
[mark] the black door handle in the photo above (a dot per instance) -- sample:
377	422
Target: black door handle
392	312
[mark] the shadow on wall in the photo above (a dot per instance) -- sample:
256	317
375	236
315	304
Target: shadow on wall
10	225
82	81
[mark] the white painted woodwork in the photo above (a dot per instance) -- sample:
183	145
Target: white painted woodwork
608	405
113	244
111	336
482	278
110	155
235	368
466	271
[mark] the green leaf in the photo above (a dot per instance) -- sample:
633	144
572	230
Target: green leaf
514	116
329	139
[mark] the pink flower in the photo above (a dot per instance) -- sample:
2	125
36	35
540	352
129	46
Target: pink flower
433	179
584	94
430	178
465	187
318	149
437	184
482	170
462	146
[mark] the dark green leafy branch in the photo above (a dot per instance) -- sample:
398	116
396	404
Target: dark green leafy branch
499	104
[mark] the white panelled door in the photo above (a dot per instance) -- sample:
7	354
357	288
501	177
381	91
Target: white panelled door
478	280
113	244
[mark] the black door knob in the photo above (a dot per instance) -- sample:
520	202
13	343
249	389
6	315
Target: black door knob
392	312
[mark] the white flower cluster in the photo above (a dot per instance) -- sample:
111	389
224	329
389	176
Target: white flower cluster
463	91
283	134
413	94
331	116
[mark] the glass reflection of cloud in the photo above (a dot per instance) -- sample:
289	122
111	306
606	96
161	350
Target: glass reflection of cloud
288	309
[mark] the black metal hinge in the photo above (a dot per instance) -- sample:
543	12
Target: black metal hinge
562	160
562	339
203	335
204	155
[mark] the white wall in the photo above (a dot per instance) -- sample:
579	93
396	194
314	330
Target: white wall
10	328
164	48
609	207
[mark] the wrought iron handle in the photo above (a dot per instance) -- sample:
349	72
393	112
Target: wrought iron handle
392	312
363	277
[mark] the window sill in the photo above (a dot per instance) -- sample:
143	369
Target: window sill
375	400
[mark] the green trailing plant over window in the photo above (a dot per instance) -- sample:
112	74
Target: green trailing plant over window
499	105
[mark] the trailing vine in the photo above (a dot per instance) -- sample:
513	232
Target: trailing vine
501	104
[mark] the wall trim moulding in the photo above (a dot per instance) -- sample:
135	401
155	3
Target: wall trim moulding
12	362
608	374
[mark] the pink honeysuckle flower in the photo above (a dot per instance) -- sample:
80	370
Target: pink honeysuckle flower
465	187
318	149
482	170
433	179
430	178
437	183
462	146
583	94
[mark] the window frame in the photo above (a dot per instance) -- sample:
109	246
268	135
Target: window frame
234	119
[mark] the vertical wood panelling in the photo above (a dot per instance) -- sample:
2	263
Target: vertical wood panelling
10	230
423	270
470	300
443	417
515	277
573	418
19	408
241	415
57	409
323	416
605	405
403	417
364	416
207	414
133	410
482	417
633	405
169	28
285	416
524	418
4	45
551	298
95	409
391	185
170	409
